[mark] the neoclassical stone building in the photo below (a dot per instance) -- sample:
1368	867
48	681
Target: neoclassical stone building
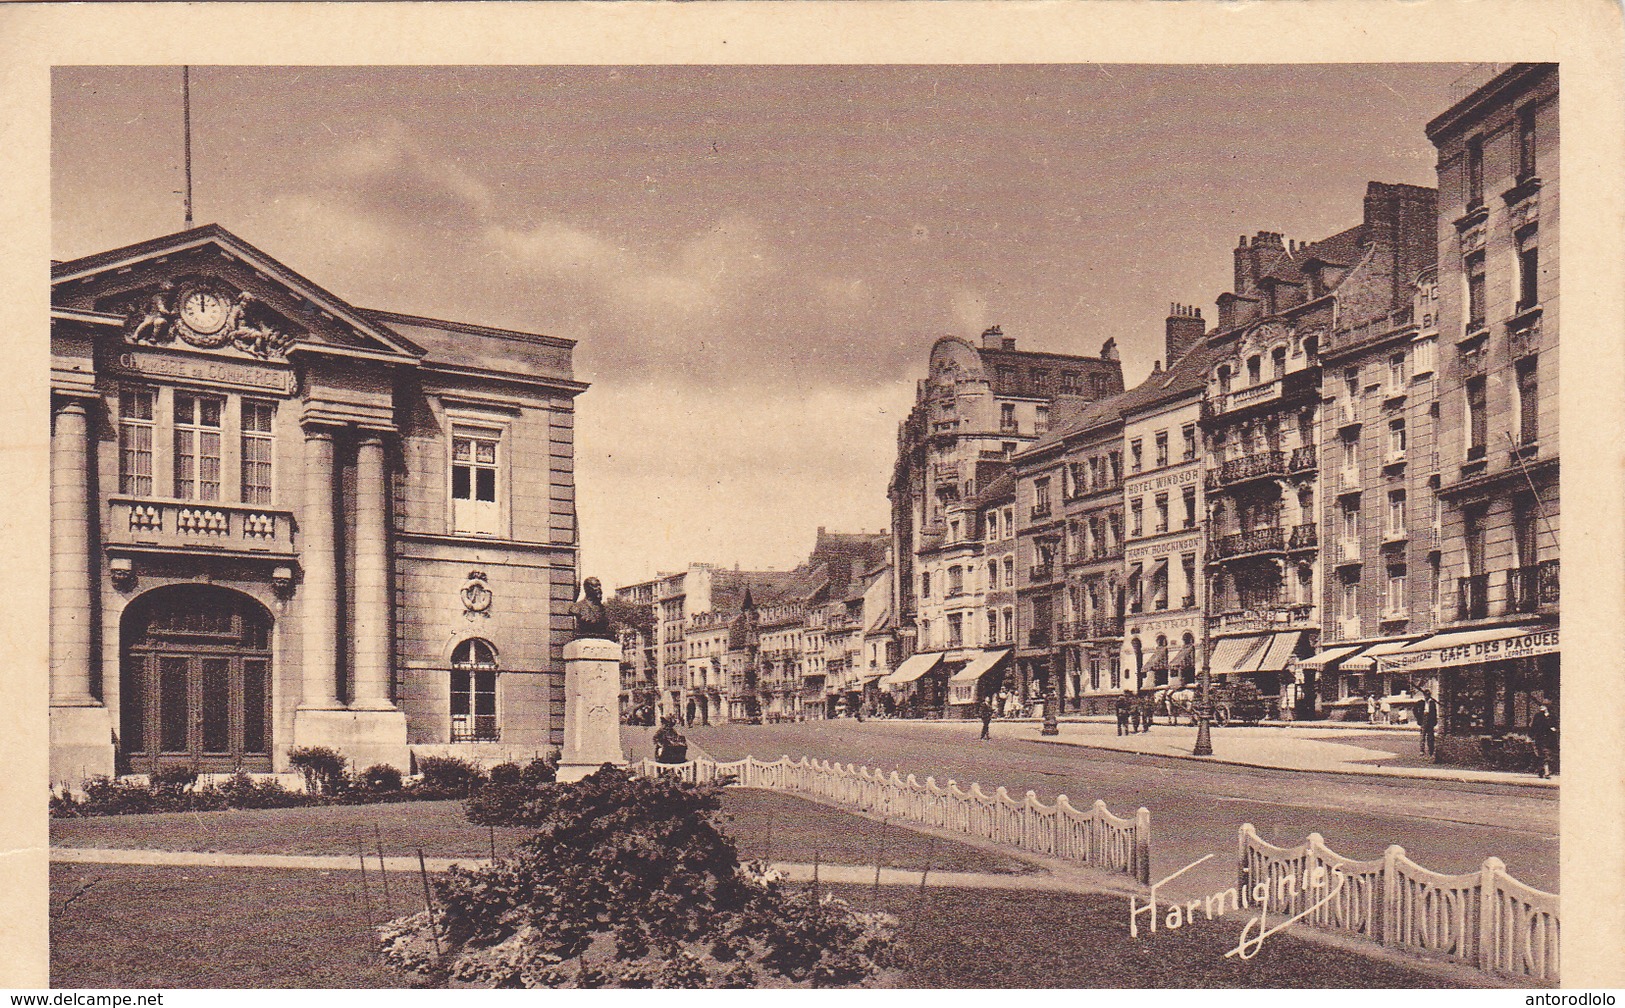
280	520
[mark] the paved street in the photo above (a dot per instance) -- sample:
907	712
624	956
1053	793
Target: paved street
1196	807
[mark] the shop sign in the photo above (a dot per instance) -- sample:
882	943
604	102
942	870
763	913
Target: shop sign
1527	645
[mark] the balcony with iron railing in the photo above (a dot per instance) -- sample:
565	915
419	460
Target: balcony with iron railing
188	526
1533	589
1241	544
1304	537
1219	404
1302	459
1259	465
1263	615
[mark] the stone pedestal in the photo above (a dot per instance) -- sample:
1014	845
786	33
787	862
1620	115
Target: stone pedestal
81	744
592	726
365	737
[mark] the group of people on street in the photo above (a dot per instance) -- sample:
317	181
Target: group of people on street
1135	712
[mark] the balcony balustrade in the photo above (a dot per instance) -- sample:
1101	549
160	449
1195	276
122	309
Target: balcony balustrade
1041	572
1304	537
1260	465
1531	588
1262	540
1218	405
1301	460
185	525
1264	614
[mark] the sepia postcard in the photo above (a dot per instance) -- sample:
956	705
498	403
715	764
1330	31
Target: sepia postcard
813	495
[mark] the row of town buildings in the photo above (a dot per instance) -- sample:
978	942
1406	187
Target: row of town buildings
1345	486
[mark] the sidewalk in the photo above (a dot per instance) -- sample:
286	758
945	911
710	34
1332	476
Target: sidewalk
1358	749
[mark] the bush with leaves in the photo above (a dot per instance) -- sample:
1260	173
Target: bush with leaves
323	768
448	776
379	779
630	882
541	769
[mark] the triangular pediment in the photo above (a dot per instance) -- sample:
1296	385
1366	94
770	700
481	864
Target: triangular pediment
206	290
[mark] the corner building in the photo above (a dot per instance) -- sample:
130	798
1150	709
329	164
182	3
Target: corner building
280	520
1497	652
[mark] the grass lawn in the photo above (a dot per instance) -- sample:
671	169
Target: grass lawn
767	826
140	926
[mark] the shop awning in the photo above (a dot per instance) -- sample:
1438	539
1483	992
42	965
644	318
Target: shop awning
1234	655
977	667
1278	652
1366	660
911	669
1182	658
1473	647
1321	659
1158	660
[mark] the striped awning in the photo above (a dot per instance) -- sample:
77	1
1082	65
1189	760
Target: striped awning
977	667
1366	660
1278	651
911	669
1235	655
1472	647
1323	658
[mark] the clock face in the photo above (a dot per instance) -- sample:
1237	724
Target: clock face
204	309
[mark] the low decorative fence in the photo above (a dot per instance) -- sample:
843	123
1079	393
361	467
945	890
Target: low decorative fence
1095	838
1485	919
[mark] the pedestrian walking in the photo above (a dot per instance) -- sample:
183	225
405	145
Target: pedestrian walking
690	721
985	710
1148	712
1385	711
1371	708
1122	713
1134	710
1543	729
1427	718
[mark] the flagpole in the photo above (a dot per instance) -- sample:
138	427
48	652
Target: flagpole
186	123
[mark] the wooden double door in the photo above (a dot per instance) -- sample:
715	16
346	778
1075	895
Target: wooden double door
195	681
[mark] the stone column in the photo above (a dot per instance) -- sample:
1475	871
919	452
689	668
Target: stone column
72	586
372	628
318	602
81	727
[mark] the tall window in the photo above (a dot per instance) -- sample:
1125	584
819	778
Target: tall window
925	584
256	450
1159	584
1189	434
1475	291
993	626
1526	143
1396	512
956	630
1255	370
197	446
1162	448
474	466
1528	267
1351	600
1475	174
1278	362
956	580
1041	496
1010	623
1136	454
1396	438
1116	459
1395	602
1009	572
1188	496
1351	522
1187	567
135	429
474	692
1007	416
1224	379
992	574
1136	510
1135	588
1042	424
1397	375
1351	456
1477	419
1162	512
1528	402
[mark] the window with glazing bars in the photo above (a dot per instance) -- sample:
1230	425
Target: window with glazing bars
197	446
135	430
256	450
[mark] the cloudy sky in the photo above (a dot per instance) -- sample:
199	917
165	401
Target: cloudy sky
754	260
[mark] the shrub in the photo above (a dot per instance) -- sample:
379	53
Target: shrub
448	775
173	779
506	774
541	769
630	882
381	778
323	768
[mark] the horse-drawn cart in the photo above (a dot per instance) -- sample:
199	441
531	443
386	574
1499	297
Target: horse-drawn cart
1233	703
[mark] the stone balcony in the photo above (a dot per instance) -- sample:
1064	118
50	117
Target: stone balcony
148	525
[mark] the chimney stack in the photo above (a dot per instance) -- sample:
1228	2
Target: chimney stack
993	339
1183	329
1108	349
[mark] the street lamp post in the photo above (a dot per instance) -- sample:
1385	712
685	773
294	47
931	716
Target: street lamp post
1052	702
1204	707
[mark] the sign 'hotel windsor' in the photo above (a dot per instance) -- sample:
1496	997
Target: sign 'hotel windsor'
280	520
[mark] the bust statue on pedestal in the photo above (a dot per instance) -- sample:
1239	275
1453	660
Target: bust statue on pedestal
592	682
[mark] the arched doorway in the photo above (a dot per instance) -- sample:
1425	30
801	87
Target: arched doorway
195	680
